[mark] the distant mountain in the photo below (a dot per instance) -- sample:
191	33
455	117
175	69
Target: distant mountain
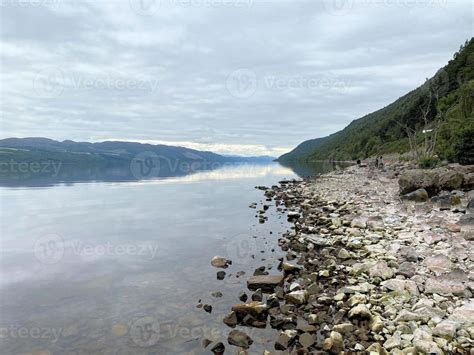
303	149
384	132
256	159
25	158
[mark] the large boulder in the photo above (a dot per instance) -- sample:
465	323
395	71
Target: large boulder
449	178
412	180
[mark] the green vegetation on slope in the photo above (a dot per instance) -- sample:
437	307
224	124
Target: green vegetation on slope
384	131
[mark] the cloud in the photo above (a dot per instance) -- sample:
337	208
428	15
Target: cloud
233	76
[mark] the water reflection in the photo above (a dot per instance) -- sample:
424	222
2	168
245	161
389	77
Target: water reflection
171	173
98	265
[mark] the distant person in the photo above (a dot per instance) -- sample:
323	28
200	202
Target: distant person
381	162
358	162
377	162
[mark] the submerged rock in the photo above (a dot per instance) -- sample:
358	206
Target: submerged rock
239	338
285	339
218	349
231	319
219	261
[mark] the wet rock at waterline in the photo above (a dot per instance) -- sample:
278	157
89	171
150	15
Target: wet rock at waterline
239	338
219	261
265	282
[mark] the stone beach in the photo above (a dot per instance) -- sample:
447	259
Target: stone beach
368	269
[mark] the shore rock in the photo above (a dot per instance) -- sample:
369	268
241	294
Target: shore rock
265	282
239	338
420	195
219	261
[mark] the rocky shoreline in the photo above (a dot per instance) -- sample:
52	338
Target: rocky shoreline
368	270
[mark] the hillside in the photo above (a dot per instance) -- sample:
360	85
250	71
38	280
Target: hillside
384	131
303	149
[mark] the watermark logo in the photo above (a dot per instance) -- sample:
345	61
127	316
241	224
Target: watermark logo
145	332
242	83
49	83
49	249
145	165
144	7
338	7
241	247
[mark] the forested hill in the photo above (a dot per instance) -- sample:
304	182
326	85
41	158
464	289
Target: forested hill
384	131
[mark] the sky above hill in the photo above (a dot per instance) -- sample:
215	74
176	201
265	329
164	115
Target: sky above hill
233	76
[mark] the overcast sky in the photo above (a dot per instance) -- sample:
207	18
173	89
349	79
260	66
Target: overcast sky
233	76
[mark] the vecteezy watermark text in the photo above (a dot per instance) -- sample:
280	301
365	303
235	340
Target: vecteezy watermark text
109	249
35	167
148	165
51	248
148	331
54	81
244	83
44	333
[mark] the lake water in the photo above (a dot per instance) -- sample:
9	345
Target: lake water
119	267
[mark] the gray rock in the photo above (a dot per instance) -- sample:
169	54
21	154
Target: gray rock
360	311
219	261
407	269
445	286
438	263
381	269
408	253
265	282
470	206
231	319
344	328
359	222
466	222
446	329
335	342
464	314
297	297
285	339
257	295
307	340
420	195
393	342
219	348
239	338
411	180
407	316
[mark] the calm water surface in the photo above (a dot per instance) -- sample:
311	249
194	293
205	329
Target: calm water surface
119	268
